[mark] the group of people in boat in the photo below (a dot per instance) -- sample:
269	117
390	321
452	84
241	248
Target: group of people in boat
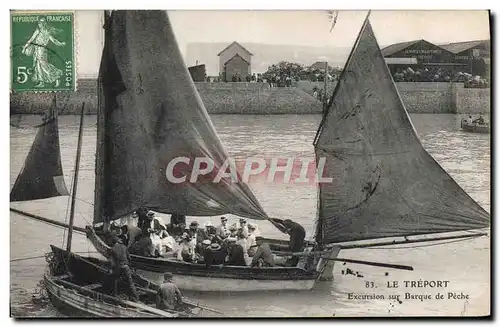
237	244
234	245
480	120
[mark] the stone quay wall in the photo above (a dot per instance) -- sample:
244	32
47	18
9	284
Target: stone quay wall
259	98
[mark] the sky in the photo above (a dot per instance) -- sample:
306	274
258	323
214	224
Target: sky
306	27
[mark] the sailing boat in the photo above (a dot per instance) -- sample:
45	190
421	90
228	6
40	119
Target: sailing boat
45	156
149	114
385	183
77	285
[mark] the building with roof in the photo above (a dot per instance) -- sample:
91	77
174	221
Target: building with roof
320	65
418	54
474	54
235	60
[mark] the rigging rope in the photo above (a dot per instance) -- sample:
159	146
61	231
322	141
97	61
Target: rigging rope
84	201
44	255
423	245
81	215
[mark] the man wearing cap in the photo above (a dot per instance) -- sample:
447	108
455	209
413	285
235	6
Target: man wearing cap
168	297
157	231
242	241
263	256
197	235
244	227
120	259
251	243
222	229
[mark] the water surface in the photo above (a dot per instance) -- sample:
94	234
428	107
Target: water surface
465	156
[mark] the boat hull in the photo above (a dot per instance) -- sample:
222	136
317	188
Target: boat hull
70	302
475	128
83	287
221	278
217	284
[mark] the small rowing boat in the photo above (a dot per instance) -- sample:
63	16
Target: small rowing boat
83	287
474	127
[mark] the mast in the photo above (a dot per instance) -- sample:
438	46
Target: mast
75	182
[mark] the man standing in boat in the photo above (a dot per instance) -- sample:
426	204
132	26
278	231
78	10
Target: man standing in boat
168	297
120	259
297	235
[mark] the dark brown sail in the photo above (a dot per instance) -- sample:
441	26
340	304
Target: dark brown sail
42	176
385	184
149	114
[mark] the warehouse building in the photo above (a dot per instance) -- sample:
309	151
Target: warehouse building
471	57
419	54
475	55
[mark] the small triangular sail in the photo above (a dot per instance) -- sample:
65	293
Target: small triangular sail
385	184
42	176
149	114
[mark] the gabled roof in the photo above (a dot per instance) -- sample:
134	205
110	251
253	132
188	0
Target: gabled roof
458	47
236	55
232	45
387	51
319	65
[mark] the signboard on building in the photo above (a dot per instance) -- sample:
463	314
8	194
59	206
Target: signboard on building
423	54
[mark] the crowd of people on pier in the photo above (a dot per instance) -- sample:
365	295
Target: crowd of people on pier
439	75
235	244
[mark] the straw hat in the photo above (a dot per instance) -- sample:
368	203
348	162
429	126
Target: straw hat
206	242
215	247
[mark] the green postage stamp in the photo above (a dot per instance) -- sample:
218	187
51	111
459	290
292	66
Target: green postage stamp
42	51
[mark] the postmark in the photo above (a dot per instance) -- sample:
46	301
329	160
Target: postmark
42	52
